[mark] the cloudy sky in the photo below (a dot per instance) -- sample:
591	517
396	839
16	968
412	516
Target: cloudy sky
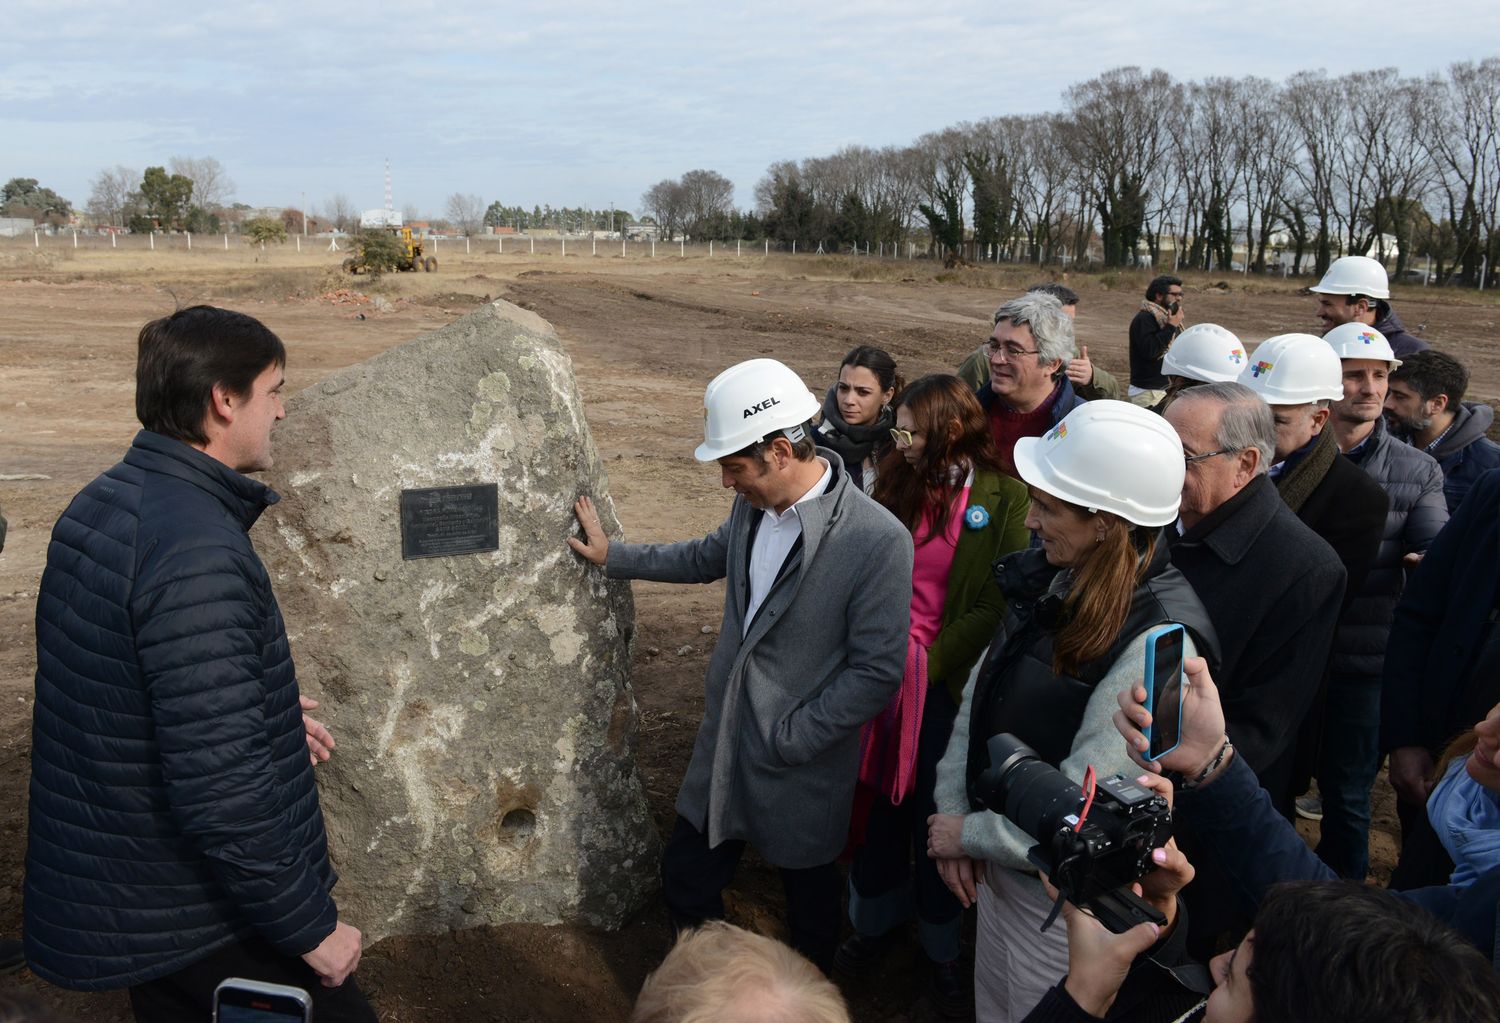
586	102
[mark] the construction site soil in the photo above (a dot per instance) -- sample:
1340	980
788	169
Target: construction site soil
645	336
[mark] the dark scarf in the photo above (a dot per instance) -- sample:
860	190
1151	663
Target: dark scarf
1297	484
853	443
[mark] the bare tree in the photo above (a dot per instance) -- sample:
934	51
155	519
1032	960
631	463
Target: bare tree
1463	139
945	184
113	193
1315	107
663	201
212	188
706	195
339	211
1266	148
1047	181
1118	135
466	212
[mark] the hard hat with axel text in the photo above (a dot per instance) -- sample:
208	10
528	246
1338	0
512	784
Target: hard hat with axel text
749	402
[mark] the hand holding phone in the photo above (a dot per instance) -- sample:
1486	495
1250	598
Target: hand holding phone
238	1000
1164	652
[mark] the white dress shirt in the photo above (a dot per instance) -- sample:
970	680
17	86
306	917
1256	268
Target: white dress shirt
773	542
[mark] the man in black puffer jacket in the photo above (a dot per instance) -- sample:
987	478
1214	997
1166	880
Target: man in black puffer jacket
175	833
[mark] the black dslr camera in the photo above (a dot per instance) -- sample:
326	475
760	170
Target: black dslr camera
1093	866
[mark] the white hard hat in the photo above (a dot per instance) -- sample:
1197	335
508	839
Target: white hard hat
1355	275
1205	352
1294	369
1109	456
749	402
1357	341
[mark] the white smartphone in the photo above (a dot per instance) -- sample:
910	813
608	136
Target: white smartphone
237	1000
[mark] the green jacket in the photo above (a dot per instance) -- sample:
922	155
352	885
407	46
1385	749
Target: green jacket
973	604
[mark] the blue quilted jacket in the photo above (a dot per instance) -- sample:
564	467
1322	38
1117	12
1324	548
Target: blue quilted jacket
173	807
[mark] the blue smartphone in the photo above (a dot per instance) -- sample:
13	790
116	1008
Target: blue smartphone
1164	649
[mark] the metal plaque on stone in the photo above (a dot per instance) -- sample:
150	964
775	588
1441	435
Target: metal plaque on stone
439	522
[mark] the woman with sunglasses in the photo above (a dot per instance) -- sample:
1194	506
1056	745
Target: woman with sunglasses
943	480
1102	482
857	414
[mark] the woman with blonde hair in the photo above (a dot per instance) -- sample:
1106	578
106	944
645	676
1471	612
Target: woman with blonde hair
1103	482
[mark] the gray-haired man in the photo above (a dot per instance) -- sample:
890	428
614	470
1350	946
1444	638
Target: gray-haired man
1272	587
1029	391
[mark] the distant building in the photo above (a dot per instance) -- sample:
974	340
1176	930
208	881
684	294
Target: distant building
15	227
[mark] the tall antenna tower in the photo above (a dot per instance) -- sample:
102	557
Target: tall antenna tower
388	206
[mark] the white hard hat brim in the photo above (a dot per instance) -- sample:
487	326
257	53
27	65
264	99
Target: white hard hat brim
710	452
1030	469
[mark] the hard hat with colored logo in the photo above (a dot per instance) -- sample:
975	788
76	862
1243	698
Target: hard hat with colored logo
1357	341
1294	369
1205	352
749	402
1355	275
1109	456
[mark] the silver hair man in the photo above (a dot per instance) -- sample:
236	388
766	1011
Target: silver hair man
1050	326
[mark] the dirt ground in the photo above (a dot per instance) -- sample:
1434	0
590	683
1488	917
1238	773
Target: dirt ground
645	336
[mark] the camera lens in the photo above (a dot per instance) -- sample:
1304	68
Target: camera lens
1036	796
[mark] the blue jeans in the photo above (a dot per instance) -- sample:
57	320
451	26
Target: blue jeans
1347	764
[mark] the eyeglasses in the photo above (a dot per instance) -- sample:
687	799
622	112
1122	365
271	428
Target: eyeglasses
902	437
1011	350
1190	459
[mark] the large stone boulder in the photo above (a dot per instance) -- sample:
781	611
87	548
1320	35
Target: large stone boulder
481	702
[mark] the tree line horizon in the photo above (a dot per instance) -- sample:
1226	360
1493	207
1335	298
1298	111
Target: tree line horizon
1312	167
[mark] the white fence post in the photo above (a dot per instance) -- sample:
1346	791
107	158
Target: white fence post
226	241
152	237
112	237
653	248
36	239
500	244
622	246
593	245
682	248
466	245
710	248
75	239
565	246
768	246
794	246
736	248
533	246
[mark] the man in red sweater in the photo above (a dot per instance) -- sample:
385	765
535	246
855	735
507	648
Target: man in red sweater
1028	391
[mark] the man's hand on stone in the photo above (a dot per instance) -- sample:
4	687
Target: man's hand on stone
319	739
337	956
595	545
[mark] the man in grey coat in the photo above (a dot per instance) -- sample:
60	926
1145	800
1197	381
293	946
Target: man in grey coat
812	646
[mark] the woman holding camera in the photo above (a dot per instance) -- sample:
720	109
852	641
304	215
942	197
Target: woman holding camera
943	481
857	413
1103	482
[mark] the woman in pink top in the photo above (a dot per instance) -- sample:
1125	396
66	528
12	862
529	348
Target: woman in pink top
943	481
